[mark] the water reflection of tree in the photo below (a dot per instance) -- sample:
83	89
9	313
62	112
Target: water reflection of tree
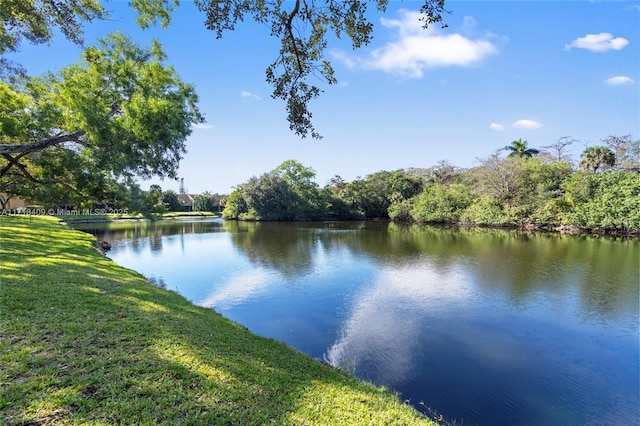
520	265
155	242
139	232
289	248
603	272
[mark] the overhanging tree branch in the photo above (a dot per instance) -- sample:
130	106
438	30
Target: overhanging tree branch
296	53
45	143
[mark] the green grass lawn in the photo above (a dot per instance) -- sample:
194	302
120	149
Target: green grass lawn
172	215
84	341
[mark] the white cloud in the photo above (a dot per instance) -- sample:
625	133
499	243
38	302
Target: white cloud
469	24
416	49
619	80
341	56
598	42
526	124
246	94
496	126
202	126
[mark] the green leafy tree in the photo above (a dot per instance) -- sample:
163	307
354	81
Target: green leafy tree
517	190
170	199
154	197
155	194
136	200
335	208
371	197
118	114
296	174
235	205
203	202
578	188
286	193
597	158
520	149
541	193
401	212
271	197
308	202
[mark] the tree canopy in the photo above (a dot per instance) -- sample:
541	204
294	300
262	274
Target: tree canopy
289	193
38	21
120	112
511	191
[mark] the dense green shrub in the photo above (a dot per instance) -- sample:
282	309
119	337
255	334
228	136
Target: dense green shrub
605	200
540	190
486	211
439	203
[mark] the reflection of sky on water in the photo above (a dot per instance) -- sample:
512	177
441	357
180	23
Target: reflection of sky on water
434	332
303	310
190	264
386	318
238	288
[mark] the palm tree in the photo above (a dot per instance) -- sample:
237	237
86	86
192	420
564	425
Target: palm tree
596	157
519	149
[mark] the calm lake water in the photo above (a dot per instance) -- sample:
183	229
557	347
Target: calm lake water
484	326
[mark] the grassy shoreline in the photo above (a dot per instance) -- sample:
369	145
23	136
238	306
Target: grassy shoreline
85	341
102	218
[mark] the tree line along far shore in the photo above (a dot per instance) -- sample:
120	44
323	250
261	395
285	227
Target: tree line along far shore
528	187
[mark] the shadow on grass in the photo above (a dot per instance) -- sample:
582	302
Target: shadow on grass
86	341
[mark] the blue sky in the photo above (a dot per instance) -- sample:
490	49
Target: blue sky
502	70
